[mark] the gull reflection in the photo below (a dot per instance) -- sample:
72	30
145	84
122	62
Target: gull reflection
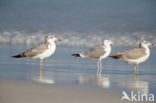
137	85
99	80
43	79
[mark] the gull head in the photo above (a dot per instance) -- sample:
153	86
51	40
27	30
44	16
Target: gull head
51	39
144	43
107	42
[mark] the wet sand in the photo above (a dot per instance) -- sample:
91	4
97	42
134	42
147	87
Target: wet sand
13	91
21	80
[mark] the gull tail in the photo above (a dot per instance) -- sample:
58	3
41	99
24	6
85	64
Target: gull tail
116	56
76	55
19	56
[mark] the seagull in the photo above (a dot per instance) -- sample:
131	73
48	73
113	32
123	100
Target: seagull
98	53
41	51
135	56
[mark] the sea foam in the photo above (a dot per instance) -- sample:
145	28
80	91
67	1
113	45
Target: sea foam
75	38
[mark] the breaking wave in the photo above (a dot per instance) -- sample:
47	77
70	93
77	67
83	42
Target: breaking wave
75	38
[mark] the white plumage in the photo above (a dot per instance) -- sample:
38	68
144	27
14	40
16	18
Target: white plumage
98	53
135	56
41	51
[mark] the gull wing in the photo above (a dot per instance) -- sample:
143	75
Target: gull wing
134	53
36	50
95	53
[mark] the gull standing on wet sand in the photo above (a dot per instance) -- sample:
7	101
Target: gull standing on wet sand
135	56
41	51
97	53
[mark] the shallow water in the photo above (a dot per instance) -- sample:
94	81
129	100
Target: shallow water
82	22
64	69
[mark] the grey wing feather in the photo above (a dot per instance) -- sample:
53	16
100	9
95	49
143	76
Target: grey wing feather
134	53
95	52
36	50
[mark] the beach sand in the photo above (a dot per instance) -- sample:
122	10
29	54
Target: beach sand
13	91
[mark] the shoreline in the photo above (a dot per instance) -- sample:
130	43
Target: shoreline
14	91
69	80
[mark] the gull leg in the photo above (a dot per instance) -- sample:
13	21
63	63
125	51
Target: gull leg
137	72
98	76
41	74
135	68
136	77
41	64
100	67
97	67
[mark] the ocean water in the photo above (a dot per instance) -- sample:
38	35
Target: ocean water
80	24
63	69
77	22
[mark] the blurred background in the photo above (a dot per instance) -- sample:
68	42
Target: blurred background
78	22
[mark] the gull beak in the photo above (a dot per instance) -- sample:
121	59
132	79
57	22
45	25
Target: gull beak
152	45
58	39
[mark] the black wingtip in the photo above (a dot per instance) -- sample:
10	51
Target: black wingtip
17	56
76	55
115	56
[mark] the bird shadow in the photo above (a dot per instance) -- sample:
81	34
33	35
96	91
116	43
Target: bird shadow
135	85
98	80
42	78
